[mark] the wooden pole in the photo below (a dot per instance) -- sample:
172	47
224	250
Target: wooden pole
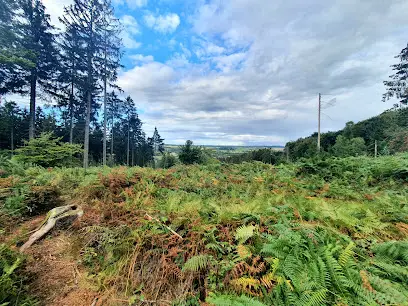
375	149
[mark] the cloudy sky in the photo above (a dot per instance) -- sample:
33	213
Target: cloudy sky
249	71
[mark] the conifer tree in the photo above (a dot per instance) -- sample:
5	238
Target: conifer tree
397	85
158	142
14	58
89	17
39	40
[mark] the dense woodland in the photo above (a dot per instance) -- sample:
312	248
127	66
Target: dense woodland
75	70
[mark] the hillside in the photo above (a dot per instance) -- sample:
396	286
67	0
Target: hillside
312	233
389	129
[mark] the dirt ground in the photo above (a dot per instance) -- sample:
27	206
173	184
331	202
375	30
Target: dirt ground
56	277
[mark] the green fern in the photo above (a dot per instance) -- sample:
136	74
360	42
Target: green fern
244	232
315	298
346	255
197	263
230	300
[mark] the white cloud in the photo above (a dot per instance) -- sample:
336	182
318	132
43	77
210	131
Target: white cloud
162	23
56	9
140	58
132	4
131	28
260	70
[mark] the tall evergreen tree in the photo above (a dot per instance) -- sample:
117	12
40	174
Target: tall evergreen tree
89	17
110	62
39	40
397	87
71	80
115	111
158	142
14	58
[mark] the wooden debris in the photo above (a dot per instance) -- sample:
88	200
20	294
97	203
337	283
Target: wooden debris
54	215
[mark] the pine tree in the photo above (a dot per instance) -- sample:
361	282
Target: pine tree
110	62
133	126
73	67
397	87
90	17
115	110
40	41
14	58
158	142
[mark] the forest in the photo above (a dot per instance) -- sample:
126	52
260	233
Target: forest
95	212
74	73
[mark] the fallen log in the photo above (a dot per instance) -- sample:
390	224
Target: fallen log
69	212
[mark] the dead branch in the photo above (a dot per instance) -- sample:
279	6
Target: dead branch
149	217
50	221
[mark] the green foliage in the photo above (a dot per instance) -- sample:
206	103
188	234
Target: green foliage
12	281
388	129
197	263
243	233
48	151
267	156
231	300
324	231
349	147
167	160
190	154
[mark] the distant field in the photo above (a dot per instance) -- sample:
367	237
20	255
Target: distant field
224	151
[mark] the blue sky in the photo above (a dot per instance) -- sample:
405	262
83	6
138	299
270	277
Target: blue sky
239	72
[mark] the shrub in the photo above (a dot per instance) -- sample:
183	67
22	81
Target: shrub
190	154
12	282
47	151
349	147
167	161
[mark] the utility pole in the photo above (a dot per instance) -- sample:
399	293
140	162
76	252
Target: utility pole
375	149
318	131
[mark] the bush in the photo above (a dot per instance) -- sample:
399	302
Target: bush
12	282
190	154
349	147
167	161
47	151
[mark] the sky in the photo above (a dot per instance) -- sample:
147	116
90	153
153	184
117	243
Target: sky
248	72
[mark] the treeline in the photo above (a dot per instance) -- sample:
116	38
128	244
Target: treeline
389	130
127	145
77	69
267	156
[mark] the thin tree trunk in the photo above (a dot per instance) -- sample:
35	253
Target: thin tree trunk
71	115
33	92
104	110
111	148
89	97
128	143
87	123
133	157
12	135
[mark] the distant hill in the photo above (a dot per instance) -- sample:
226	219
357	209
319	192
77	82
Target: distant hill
389	129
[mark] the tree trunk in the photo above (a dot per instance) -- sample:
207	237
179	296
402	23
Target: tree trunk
128	143
71	114
87	123
33	92
12	136
133	157
111	148
104	110
89	89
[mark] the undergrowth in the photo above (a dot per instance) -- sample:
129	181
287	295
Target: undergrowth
318	232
